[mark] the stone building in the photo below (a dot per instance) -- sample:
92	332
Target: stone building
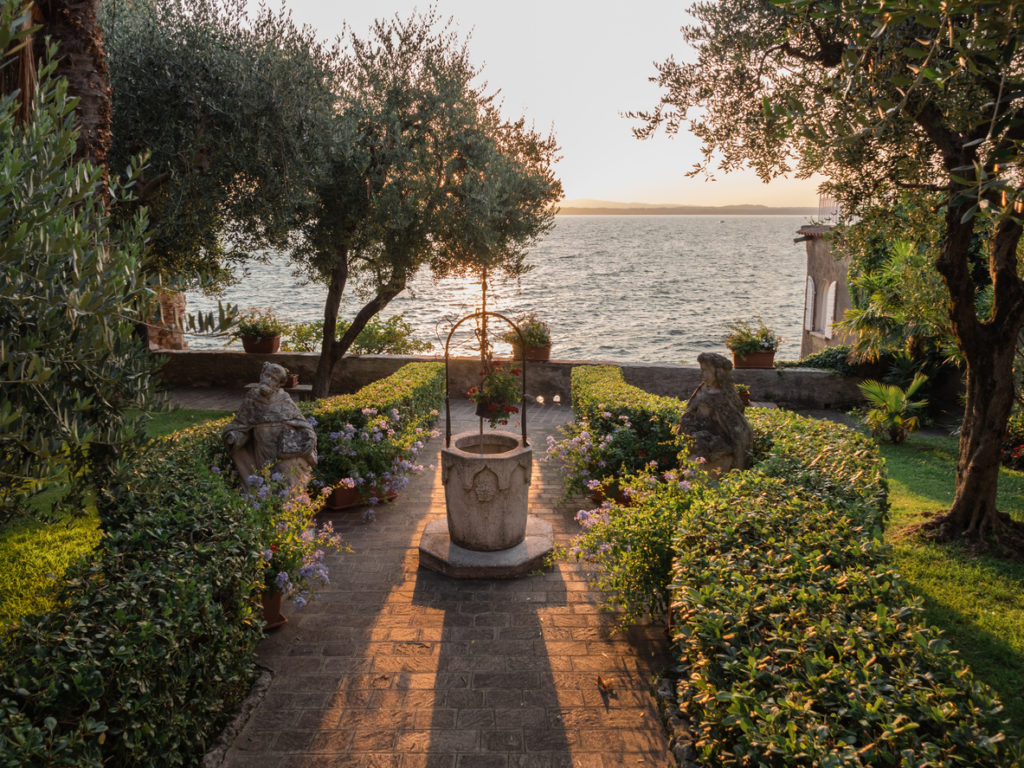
826	295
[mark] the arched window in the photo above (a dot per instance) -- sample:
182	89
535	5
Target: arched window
830	310
809	305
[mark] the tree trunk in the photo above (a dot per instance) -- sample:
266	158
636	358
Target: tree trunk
332	351
989	347
82	60
973	514
335	290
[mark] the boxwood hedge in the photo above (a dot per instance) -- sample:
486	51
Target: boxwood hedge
151	645
796	642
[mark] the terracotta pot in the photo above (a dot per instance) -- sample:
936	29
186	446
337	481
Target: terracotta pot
262	345
754	360
272	616
537	354
744	395
347	498
292	380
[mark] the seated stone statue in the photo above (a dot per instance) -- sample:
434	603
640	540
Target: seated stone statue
270	430
714	418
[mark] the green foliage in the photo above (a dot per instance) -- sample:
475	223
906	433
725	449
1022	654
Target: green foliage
151	642
259	323
535	332
893	413
744	338
602	397
899	300
401	407
500	388
1013	443
70	293
393	336
907	96
424	170
152	638
835	358
802	645
632	540
234	113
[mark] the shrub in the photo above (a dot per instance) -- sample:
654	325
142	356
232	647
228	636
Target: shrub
404	404
835	358
393	336
152	640
802	647
894	414
619	429
151	643
632	542
74	376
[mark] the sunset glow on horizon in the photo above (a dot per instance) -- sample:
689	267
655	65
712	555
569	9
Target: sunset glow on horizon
575	67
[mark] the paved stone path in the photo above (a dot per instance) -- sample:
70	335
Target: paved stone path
397	666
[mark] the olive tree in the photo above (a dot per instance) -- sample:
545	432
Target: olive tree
883	98
233	112
423	171
74	379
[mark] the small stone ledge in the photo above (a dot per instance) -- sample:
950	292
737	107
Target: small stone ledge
438	553
797	388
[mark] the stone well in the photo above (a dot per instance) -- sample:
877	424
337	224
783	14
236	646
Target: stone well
488	532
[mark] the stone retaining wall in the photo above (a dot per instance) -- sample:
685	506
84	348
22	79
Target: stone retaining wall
804	388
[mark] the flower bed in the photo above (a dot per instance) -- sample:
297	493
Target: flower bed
369	440
619	429
151	645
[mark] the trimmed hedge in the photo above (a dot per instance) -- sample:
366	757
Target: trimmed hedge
151	645
797	644
602	398
152	640
416	390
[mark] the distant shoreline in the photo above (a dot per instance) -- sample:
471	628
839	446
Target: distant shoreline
689	210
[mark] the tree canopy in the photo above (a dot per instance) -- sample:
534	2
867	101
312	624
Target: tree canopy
423	171
75	380
233	112
882	99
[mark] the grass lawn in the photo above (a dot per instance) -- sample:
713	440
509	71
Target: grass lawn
34	555
977	601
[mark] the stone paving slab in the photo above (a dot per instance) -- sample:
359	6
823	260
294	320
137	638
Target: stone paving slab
394	665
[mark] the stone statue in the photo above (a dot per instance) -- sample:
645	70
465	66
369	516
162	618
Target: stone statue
714	418
270	429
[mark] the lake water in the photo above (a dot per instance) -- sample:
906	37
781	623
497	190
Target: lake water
617	288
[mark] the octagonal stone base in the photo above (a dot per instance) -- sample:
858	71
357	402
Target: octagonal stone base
439	553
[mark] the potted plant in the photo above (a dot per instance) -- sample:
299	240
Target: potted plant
752	346
744	392
536	336
260	330
497	394
294	546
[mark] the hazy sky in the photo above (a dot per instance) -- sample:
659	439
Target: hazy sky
574	66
